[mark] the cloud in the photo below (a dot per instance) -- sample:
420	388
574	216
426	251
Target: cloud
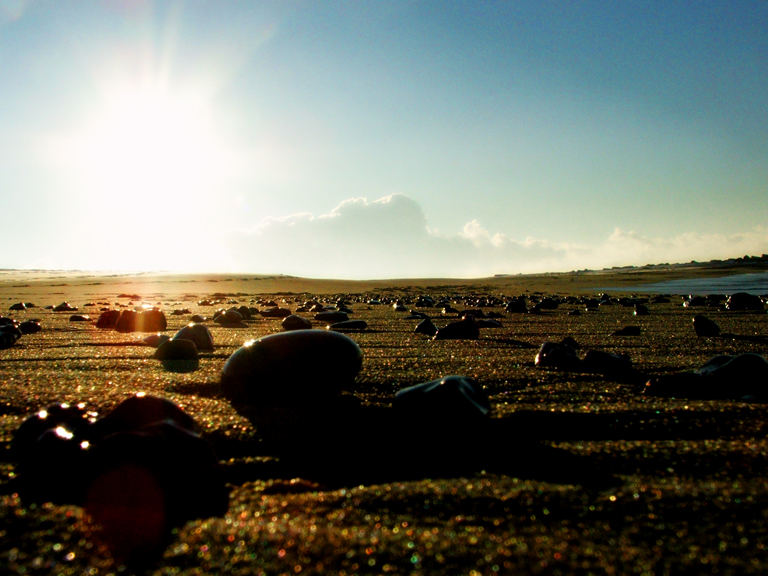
390	237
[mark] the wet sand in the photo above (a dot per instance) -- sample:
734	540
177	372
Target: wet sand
582	474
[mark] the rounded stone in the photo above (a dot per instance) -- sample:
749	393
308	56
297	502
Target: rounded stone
331	316
744	302
197	333
704	327
349	326
176	349
30	327
53	444
156	340
452	399
296	322
108	319
288	368
466	329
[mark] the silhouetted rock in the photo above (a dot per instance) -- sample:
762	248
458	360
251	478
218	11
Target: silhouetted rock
739	377
30	327
450	401
465	329
152	320
703	326
349	326
744	302
560	355
427	327
296	322
331	316
64	307
108	319
197	333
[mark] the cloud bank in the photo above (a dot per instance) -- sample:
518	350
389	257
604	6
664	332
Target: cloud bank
390	238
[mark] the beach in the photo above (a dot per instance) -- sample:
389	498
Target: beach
578	472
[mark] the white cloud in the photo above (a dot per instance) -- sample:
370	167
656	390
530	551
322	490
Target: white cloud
389	237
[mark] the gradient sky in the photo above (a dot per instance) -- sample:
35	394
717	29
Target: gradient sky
381	139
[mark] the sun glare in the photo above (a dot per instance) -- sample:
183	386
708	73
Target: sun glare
150	151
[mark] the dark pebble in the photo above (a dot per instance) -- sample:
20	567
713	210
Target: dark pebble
704	327
197	333
296	322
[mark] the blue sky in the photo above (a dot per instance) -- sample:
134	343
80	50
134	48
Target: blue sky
381	139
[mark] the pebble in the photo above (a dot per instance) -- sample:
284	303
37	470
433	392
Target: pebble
64	307
197	333
331	316
30	327
296	322
229	318
744	302
79	318
139	472
349	326
176	349
739	377
703	326
465	329
427	327
300	366
451	400
275	312
561	355
156	339
108	319
9	334
152	320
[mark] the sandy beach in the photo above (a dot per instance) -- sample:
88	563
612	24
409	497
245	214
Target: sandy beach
578	472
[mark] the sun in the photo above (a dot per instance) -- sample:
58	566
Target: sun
154	158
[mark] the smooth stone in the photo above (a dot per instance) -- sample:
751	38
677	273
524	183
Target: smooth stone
744	302
275	312
289	368
155	340
705	327
197	333
30	327
427	327
64	307
142	410
51	450
176	349
198	318
229	318
108	319
466	329
152	320
349	326
516	306
79	318
18	307
739	377
561	355
296	322
641	310
694	301
452	401
9	335
331	316
147	481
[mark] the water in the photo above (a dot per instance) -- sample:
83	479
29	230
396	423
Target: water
754	283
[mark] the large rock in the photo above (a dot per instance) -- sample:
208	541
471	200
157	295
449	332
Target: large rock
300	366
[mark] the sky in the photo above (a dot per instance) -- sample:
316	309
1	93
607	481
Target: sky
381	139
